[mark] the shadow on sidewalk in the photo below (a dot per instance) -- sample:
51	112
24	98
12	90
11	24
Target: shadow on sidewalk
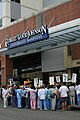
75	107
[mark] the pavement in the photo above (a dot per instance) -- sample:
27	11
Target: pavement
28	114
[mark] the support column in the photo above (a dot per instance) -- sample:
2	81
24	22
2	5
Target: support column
6	69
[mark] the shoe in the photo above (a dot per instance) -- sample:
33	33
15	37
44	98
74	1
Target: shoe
53	110
45	109
5	106
19	108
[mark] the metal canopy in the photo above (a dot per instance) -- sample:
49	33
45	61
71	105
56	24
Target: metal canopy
59	36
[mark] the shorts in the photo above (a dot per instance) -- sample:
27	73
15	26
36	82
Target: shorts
64	99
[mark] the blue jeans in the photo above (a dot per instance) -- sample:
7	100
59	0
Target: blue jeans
42	103
19	102
58	103
12	101
78	100
49	103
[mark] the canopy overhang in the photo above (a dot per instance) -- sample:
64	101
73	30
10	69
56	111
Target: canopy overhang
60	35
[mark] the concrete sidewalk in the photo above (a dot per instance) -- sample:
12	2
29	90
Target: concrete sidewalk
28	114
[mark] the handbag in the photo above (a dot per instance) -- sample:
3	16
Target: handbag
52	95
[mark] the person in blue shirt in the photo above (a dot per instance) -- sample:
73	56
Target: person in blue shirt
48	98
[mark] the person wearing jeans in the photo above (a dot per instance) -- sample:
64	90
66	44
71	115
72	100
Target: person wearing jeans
48	99
13	96
19	97
42	97
42	103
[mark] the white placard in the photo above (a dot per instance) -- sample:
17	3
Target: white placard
58	79
40	82
51	80
74	76
10	81
65	77
36	82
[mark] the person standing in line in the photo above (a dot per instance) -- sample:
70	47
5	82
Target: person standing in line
37	100
53	92
72	94
26	97
64	94
58	97
58	100
23	97
9	95
33	97
48	98
5	95
42	97
77	88
19	97
29	88
13	95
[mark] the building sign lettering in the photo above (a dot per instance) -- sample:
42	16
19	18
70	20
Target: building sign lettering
28	37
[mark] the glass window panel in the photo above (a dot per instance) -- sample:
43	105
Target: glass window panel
0	10
0	22
12	20
47	3
18	1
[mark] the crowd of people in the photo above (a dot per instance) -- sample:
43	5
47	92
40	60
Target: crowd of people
44	97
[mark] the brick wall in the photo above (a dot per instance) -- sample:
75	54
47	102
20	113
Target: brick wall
75	51
63	13
17	28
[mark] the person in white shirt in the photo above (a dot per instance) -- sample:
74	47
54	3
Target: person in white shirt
63	92
77	88
5	96
42	97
